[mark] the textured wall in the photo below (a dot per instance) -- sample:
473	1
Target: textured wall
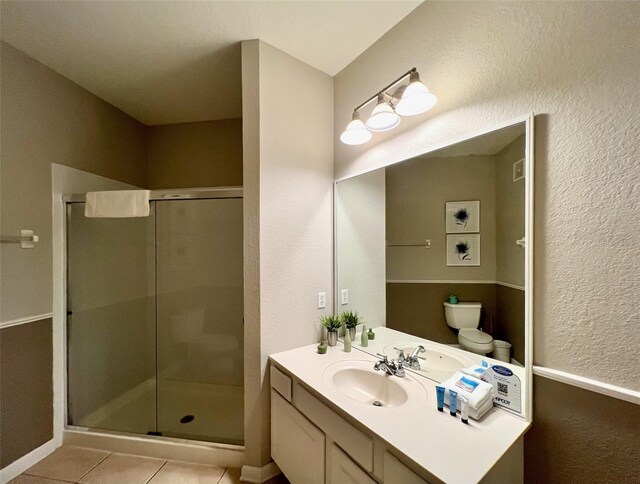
288	169
576	65
205	154
256	413
360	246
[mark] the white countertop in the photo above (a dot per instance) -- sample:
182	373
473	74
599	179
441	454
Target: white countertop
442	444
386	337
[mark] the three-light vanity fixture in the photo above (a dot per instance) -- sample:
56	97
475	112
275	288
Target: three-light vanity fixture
407	100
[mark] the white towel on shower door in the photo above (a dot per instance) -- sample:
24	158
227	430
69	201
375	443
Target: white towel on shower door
117	204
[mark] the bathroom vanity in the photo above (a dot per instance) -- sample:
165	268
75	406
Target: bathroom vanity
326	428
407	253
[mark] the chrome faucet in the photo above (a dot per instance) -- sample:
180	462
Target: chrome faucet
413	360
390	367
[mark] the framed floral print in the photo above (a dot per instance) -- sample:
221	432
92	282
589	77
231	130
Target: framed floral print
462	217
463	250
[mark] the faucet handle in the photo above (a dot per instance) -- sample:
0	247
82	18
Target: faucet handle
419	349
399	349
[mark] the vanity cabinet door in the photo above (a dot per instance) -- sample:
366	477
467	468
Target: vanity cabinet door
342	470
395	472
297	446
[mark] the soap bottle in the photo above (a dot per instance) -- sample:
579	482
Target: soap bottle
364	339
347	341
371	334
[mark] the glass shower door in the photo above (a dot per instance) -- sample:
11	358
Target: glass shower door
200	319
111	329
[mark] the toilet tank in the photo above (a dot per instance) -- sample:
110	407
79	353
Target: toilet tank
462	315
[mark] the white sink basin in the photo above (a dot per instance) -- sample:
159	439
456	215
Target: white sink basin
358	380
439	363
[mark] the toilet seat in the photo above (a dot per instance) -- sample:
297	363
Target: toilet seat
475	340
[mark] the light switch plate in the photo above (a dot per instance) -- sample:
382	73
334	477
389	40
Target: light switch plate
344	296
322	300
518	170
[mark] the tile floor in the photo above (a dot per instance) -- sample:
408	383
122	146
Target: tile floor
90	466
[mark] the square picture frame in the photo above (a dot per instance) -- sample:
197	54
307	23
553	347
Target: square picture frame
463	250
462	217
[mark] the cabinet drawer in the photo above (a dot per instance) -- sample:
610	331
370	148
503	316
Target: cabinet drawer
281	383
297	446
342	470
395	472
358	445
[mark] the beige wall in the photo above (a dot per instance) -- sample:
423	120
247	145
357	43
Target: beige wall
45	119
417	191
510	211
26	392
288	168
580	436
203	154
48	119
417	308
360	239
577	65
509	322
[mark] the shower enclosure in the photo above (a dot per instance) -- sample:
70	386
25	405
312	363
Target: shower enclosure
155	318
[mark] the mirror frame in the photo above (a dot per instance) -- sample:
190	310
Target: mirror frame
528	120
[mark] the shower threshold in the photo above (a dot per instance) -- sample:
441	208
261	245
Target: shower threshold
161	447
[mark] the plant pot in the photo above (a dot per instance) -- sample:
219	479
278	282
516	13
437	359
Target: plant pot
352	333
332	337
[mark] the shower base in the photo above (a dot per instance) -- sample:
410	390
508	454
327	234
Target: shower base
186	410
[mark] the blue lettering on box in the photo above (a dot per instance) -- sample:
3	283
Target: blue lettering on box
501	370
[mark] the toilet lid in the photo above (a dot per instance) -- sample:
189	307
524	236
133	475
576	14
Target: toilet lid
475	336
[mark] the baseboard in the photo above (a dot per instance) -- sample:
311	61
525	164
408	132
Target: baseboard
23	463
258	475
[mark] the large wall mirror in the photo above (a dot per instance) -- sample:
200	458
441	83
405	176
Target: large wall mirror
437	250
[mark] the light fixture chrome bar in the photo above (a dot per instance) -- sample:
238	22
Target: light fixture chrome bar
393	84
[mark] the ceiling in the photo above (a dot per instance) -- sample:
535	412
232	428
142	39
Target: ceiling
179	61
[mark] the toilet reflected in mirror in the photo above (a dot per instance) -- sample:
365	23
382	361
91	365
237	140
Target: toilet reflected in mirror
464	318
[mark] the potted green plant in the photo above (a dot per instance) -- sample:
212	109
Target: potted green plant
333	324
351	319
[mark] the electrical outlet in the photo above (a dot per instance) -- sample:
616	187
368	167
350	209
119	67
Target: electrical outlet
322	300
344	296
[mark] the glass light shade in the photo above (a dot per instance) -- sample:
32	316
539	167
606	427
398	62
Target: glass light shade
356	132
383	117
416	98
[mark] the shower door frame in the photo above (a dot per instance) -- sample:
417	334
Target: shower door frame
103	435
